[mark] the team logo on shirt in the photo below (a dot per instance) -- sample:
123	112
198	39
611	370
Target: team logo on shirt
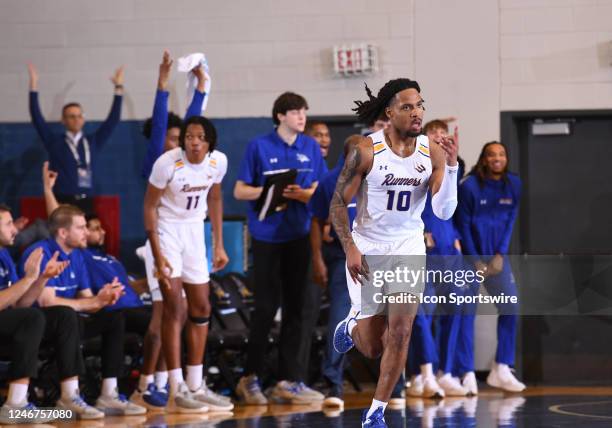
213	163
273	160
179	164
505	201
302	158
483	202
420	168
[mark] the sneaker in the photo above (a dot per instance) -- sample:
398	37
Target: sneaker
470	384
249	391
376	419
183	401
501	377
79	408
431	389
335	397
118	405
151	398
416	386
307	392
215	402
342	339
285	392
451	386
25	413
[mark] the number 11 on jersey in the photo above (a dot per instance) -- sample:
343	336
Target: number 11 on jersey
190	200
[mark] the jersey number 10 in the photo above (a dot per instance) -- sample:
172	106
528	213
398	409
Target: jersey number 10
190	200
403	200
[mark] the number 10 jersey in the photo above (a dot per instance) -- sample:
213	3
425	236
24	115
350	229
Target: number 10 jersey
392	196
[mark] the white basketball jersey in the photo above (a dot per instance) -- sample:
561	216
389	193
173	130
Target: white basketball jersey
393	194
186	185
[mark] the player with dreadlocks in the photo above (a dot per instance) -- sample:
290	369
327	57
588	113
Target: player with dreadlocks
390	173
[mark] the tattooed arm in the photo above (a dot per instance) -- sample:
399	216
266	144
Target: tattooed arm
358	163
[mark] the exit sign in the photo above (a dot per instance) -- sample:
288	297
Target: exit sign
355	59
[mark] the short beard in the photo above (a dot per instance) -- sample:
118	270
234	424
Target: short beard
412	134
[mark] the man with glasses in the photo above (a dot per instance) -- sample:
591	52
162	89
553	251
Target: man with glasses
72	153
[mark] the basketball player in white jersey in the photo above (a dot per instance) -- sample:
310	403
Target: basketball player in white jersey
389	172
184	184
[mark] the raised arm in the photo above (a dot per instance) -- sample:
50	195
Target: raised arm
39	122
195	108
107	127
159	120
49	178
357	165
443	181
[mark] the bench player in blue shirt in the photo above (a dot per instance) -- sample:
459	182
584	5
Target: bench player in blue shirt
24	328
72	288
488	206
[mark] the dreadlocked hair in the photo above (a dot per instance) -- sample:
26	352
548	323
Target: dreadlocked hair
371	110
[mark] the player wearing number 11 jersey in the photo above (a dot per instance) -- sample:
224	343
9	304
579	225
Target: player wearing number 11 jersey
184	185
390	172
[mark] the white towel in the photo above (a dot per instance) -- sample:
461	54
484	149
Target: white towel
188	63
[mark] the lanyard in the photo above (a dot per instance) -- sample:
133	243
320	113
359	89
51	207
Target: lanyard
75	152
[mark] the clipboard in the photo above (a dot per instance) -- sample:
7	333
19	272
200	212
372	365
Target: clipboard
272	195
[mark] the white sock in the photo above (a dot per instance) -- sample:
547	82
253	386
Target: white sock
109	387
375	405
144	381
17	394
161	379
70	388
427	370
175	376
194	376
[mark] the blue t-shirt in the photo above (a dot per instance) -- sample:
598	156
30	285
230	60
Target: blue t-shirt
269	153
8	273
486	214
102	269
72	280
321	199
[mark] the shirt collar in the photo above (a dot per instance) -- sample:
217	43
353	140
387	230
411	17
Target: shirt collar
298	144
54	246
75	138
